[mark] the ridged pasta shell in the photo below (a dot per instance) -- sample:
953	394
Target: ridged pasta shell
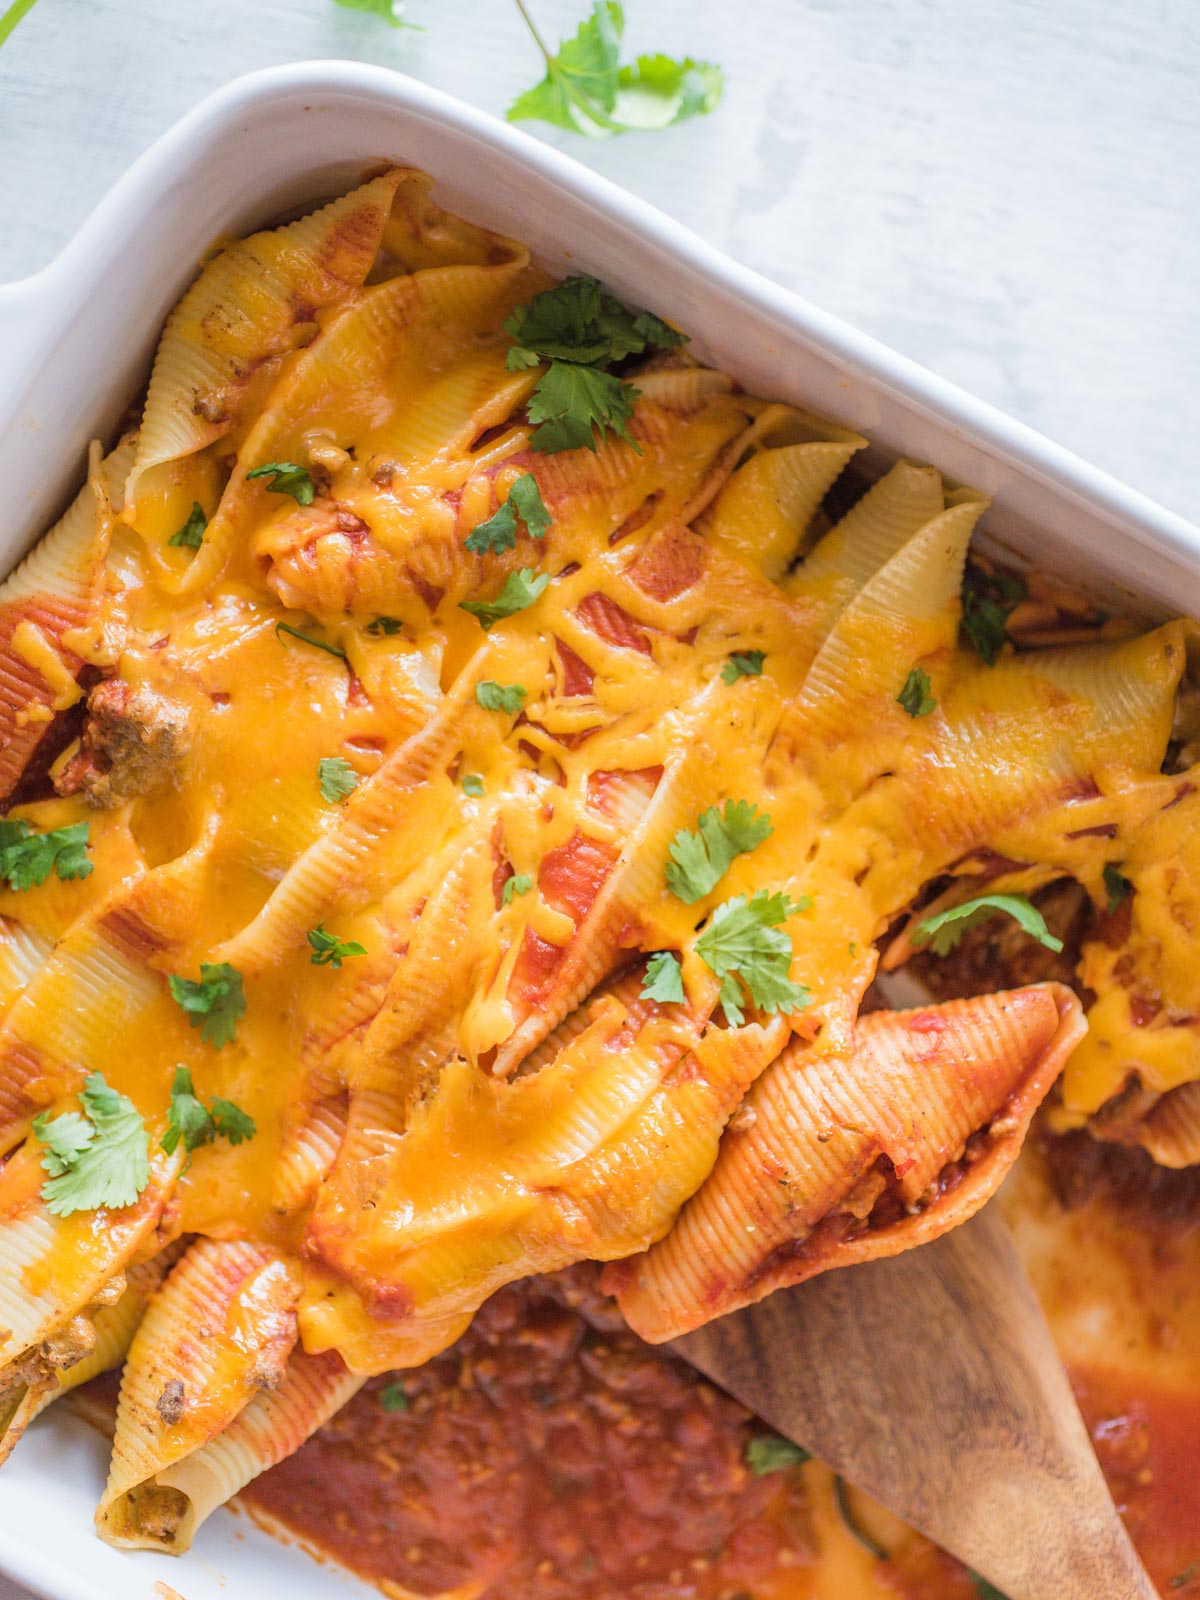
219	1332
846	1160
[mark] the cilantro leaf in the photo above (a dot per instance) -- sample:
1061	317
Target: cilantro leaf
27	858
987	604
658	91
570	402
700	860
231	1122
1116	885
389	11
472	784
336	778
578	321
330	951
744	941
520	590
110	1169
394	1396
664	978
915	696
187	1118
191	535
771	1452
307	638
493	696
587	91
743	664
942	932
387	627
519	883
499	532
213	1004
287	478
66	1138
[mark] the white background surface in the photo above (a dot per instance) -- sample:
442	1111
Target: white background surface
1008	190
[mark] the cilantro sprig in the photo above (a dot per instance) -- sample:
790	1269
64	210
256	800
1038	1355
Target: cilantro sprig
745	945
587	90
214	1004
27	858
581	331
944	931
499	532
700	860
520	590
97	1157
330	951
196	1124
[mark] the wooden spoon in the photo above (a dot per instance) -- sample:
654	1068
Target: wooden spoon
931	1381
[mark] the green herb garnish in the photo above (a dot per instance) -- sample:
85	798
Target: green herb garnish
307	638
743	664
330	951
191	535
915	696
744	944
519	883
214	1003
943	932
520	590
100	1157
27	858
499	532
336	778
1116	886
664	979
287	478
188	1119
587	90
771	1452
493	696
700	860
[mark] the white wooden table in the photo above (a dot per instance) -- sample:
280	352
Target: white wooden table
1008	190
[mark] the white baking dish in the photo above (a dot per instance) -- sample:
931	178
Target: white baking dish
74	347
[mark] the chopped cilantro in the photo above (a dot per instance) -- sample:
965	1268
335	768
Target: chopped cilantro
743	664
191	535
189	1120
942	932
336	778
771	1452
307	638
915	696
98	1158
394	1396
664	978
287	478
472	784
384	627
744	941
700	860
499	532
1116	886
213	1004
330	951
519	883
27	858
987	604
493	696
520	590
570	402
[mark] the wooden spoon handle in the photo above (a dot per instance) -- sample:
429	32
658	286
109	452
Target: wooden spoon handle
931	1381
